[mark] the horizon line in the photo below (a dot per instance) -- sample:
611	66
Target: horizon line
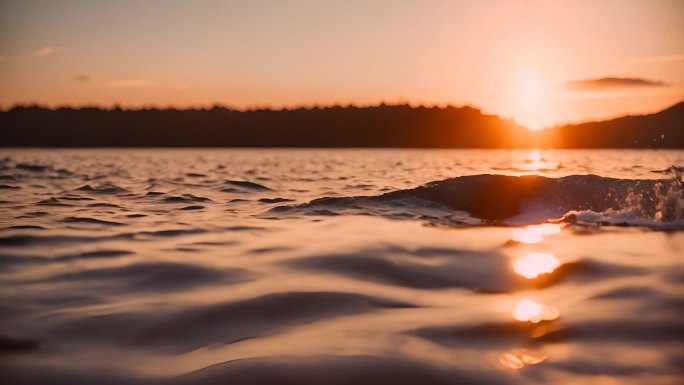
308	107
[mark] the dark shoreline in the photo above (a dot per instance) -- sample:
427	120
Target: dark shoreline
383	126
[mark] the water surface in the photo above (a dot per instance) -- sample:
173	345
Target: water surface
341	266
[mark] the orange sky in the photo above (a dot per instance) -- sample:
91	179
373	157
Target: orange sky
513	58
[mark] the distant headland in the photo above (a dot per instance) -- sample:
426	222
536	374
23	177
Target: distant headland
392	126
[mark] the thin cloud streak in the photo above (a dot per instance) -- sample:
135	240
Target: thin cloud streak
658	59
128	83
85	78
45	51
612	83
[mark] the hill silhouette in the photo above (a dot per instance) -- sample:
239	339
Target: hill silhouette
375	126
664	129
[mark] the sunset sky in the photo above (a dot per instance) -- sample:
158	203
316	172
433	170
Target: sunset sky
540	62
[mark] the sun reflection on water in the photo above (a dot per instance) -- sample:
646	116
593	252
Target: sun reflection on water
520	360
534	161
528	310
536	233
534	156
535	264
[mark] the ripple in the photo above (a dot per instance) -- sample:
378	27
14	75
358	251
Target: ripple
25	227
106	188
152	276
25	240
193	207
91	221
109	205
14	345
11	260
52	202
31	167
482	272
341	370
247	185
306	370
223	323
275	200
255	317
186	198
172	233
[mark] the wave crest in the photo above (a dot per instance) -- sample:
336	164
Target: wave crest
519	200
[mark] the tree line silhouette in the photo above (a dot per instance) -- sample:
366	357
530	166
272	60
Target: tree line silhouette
336	126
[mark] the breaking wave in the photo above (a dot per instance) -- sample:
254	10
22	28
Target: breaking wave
519	200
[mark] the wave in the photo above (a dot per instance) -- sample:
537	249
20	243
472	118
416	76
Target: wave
200	325
338	369
149	277
483	272
520	200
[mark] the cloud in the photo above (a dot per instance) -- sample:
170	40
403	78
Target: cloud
611	83
85	78
658	59
121	83
45	51
128	83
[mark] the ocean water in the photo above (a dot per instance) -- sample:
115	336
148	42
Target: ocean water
341	267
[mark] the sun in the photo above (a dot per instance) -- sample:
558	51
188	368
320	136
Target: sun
530	97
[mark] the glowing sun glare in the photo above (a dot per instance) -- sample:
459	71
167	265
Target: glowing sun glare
535	264
530	96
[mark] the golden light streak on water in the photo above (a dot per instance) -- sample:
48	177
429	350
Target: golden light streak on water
528	310
536	233
520	360
535	264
